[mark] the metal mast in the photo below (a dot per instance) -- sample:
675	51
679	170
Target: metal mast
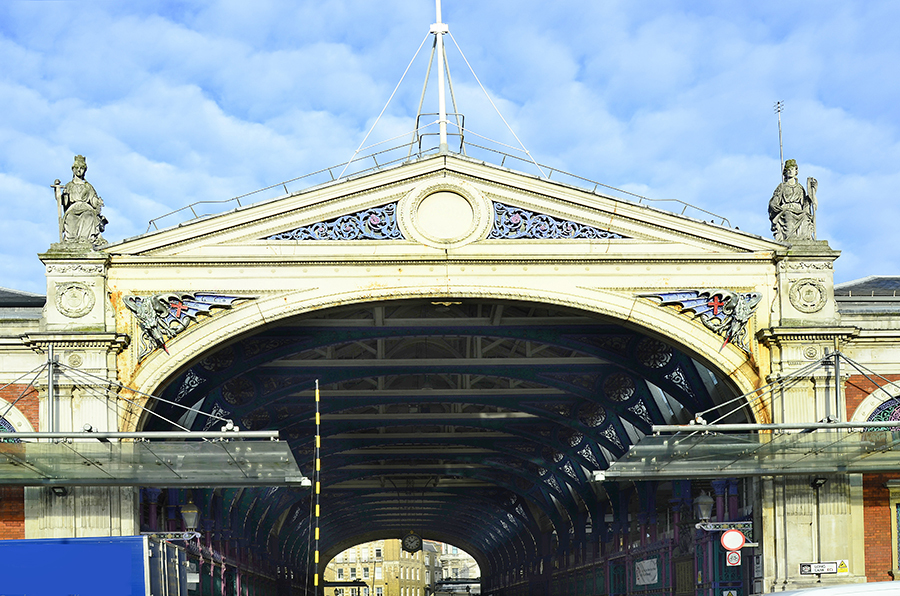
779	105
439	29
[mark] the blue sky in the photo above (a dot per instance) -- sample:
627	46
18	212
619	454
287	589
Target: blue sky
175	102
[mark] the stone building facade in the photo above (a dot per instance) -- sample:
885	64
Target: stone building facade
605	317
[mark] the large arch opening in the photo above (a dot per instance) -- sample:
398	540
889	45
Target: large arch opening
467	421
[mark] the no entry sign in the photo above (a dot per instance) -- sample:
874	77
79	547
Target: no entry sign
733	540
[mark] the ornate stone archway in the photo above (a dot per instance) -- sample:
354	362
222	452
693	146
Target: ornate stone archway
451	231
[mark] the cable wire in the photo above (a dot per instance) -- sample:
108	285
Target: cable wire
385	107
37	372
494	105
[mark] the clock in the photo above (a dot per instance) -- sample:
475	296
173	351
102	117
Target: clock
411	543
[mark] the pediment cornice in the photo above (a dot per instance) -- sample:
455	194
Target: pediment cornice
628	224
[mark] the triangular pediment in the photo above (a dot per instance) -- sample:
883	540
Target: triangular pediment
444	203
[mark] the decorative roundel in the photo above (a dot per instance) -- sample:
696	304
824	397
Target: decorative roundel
592	414
412	542
619	387
888	410
445	213
653	353
238	391
807	295
74	299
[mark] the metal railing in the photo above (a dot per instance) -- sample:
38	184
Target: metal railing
409	152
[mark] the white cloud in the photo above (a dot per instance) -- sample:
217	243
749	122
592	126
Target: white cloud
177	102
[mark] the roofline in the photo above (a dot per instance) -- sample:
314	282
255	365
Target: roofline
430	165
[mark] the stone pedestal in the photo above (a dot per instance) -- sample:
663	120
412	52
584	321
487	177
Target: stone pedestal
76	289
79	329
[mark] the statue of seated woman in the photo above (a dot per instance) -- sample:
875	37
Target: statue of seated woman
792	209
81	219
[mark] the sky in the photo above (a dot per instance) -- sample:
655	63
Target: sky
177	102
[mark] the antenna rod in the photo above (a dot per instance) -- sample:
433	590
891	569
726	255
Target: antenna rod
439	29
779	105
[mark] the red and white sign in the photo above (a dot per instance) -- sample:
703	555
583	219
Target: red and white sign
733	540
733	558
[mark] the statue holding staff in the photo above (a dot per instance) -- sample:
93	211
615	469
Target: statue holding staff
79	208
792	209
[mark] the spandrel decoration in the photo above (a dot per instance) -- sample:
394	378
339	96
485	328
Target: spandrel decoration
163	316
722	311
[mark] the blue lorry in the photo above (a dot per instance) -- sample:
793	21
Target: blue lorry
111	566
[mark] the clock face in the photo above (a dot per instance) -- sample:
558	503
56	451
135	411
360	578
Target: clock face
412	543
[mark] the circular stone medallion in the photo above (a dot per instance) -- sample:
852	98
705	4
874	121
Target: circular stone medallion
807	295
445	216
74	299
445	213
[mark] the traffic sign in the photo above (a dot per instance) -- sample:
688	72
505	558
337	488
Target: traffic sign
733	539
733	558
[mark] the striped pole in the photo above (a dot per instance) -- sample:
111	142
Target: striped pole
318	472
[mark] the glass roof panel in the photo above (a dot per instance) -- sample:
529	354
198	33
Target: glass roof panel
715	455
145	463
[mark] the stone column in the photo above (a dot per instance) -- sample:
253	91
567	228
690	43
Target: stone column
78	325
802	523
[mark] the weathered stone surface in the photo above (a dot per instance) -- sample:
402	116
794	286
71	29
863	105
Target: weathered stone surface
792	209
80	205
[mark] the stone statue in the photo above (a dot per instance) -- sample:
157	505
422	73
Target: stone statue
792	208
79	205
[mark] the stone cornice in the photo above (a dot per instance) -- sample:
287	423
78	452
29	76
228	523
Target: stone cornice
380	259
777	335
815	249
112	342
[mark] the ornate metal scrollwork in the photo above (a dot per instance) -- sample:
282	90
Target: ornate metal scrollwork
515	223
721	311
377	223
163	316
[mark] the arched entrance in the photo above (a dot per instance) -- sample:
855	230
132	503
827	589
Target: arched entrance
472	382
465	420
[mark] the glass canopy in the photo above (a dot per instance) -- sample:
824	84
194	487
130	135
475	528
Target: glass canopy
145	463
713	455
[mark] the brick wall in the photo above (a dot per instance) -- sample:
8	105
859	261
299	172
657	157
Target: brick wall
12	499
12	512
858	388
876	497
877	512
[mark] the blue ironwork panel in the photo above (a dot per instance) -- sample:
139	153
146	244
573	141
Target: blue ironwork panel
515	223
377	223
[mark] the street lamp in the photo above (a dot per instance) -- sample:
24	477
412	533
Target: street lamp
703	506
190	513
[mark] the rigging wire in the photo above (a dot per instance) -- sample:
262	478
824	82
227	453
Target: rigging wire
109	395
117	384
355	153
38	371
867	371
769	387
494	105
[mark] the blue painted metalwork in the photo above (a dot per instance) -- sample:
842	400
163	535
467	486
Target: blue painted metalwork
722	311
377	223
163	316
7	427
516	223
575	419
887	410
